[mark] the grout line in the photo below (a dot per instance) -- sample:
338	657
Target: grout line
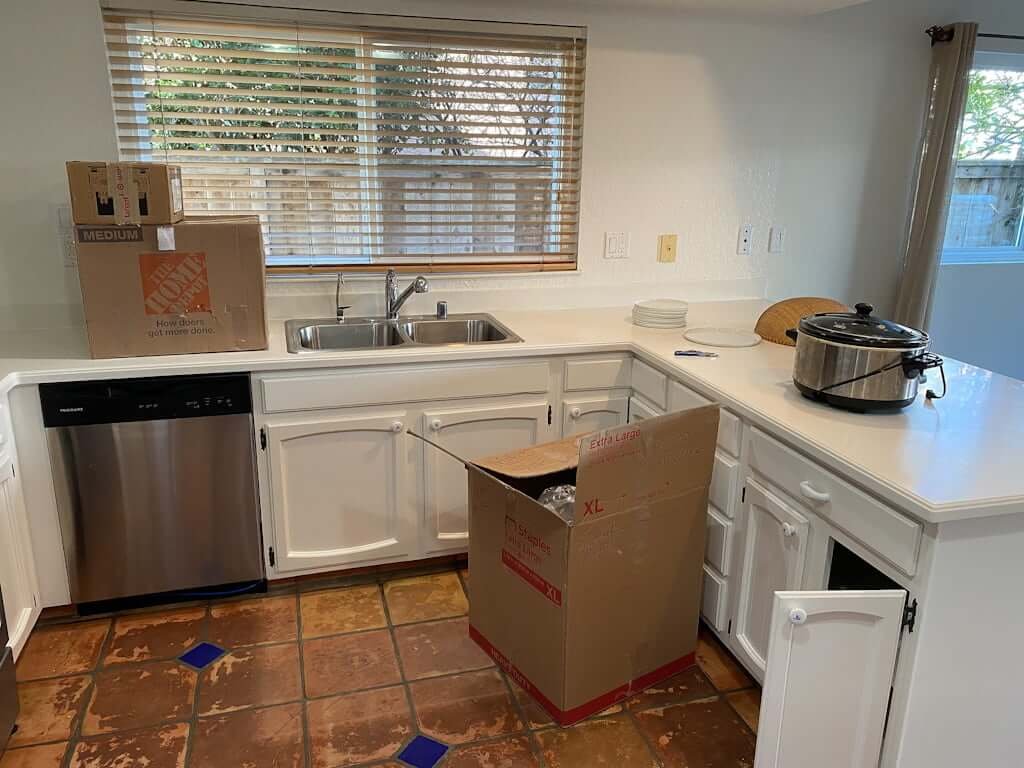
193	723
307	741
631	716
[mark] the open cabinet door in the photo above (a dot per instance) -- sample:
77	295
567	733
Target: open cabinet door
831	657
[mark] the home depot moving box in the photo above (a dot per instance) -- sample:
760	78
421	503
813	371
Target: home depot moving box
582	615
195	286
125	193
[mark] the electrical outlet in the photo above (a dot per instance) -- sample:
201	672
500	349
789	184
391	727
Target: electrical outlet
667	248
777	240
616	245
745	241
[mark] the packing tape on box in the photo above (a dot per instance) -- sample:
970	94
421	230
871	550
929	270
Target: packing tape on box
165	238
122	190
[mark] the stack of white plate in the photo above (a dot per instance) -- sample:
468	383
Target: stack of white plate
660	313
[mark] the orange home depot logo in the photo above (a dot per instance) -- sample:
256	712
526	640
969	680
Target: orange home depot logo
174	283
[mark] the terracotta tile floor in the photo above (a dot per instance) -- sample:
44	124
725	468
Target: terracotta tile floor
326	676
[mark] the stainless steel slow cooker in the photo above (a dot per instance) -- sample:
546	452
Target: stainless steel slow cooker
857	361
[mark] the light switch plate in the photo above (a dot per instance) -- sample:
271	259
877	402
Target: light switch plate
668	246
777	240
616	245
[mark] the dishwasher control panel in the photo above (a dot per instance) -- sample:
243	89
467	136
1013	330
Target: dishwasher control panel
145	399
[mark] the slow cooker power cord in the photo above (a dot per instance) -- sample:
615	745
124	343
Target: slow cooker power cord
929	393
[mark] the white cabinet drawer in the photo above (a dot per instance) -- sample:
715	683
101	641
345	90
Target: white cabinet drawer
608	372
681	397
883	530
650	383
718	542
400	384
639	410
713	601
723	483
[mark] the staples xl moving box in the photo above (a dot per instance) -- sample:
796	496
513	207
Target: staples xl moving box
584	614
195	286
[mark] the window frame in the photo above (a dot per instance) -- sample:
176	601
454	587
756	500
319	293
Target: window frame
372	242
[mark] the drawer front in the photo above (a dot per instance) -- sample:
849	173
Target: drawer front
713	600
881	529
383	386
723	483
681	397
597	373
719	538
650	383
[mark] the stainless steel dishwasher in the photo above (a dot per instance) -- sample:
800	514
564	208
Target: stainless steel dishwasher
156	484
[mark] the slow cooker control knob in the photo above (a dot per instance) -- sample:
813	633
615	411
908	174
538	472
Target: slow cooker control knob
864	309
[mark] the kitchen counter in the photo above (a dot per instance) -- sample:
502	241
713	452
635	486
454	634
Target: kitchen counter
944	460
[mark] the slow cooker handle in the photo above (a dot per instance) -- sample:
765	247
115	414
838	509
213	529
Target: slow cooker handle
791	333
864	309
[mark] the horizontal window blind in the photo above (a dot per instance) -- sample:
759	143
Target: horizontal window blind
361	147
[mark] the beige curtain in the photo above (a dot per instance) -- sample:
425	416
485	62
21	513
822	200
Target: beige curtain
952	56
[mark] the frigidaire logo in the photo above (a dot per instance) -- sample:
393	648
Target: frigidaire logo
109	234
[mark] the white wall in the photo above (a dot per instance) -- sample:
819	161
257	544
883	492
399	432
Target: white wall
979	314
693	125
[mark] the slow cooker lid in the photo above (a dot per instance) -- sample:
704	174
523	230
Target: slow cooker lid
862	329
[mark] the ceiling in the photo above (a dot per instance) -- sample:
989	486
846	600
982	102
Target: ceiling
768	7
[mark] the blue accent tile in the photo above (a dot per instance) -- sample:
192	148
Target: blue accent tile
201	655
422	752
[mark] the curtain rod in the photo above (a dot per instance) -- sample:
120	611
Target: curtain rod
1001	37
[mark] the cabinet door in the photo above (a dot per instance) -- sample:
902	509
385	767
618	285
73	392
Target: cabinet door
17	575
338	492
470	433
639	410
774	550
830	666
581	415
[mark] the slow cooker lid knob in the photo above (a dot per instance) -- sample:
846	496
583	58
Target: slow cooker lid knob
864	309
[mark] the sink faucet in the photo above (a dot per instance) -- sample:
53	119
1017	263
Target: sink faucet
393	300
339	307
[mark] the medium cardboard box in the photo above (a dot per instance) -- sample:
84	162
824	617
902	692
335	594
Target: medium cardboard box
583	615
125	193
195	286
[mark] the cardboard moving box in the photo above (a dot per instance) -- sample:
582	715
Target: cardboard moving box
195	286
585	614
125	193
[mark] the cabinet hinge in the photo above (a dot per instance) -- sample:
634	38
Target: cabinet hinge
910	615
549	414
743	494
271	556
263	438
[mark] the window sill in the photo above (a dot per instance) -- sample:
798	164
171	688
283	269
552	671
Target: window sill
963	256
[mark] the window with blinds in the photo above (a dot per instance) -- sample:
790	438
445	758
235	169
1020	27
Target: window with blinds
361	147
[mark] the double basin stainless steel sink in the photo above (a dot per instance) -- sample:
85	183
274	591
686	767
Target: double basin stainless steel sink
379	332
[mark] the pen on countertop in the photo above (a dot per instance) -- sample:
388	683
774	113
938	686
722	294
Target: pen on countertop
694	353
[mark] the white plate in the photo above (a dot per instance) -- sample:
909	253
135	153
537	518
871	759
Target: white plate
723	337
643	324
673	306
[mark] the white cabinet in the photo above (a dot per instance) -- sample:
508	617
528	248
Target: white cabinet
471	433
640	410
590	414
338	491
774	551
830	667
17	570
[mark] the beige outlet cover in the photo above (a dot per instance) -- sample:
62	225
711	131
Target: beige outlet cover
667	247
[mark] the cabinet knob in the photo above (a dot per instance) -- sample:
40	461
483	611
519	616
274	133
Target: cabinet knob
574	412
435	425
797	616
788	529
396	426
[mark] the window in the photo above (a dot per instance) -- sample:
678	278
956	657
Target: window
986	210
363	147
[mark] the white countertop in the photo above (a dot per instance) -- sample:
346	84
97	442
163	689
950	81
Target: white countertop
955	458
